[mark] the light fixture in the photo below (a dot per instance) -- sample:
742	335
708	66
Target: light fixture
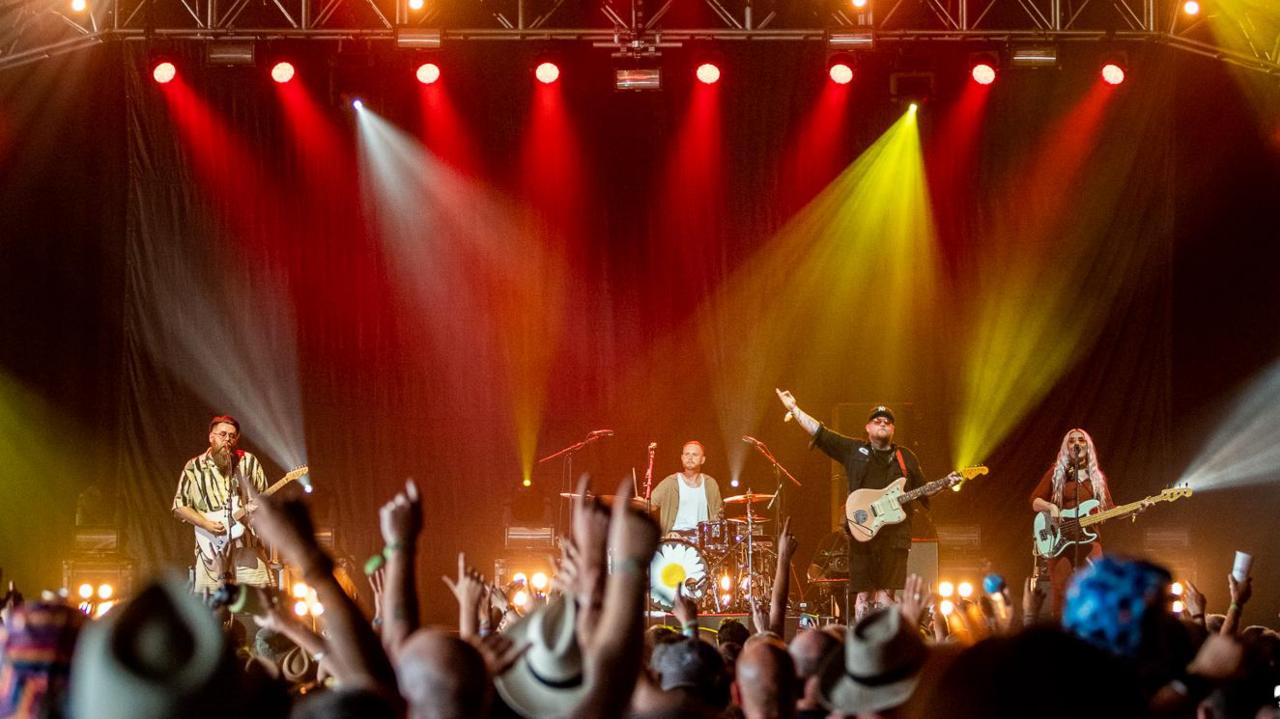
1033	56
547	72
428	73
851	41
105	591
418	38
229	52
965	590
946	589
708	73
164	72
637	78
282	72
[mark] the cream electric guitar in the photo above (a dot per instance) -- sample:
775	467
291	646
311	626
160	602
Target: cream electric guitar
211	544
867	511
1052	537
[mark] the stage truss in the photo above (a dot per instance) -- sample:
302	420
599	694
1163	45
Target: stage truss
1248	36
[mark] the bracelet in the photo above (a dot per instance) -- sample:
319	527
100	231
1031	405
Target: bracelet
392	548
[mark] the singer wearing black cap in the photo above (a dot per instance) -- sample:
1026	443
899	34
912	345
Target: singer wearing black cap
878	567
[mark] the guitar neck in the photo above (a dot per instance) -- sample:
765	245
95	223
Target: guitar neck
1114	512
930	488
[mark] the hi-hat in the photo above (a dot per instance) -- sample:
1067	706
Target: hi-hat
748	498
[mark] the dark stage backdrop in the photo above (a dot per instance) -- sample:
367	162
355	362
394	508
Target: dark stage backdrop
172	254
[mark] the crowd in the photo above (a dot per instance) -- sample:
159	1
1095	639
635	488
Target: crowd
1117	650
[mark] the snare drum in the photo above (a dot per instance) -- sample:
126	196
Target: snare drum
676	563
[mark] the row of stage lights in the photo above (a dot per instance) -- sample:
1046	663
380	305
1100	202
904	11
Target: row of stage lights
708	73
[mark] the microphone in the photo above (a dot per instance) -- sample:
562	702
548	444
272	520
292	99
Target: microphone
601	433
752	440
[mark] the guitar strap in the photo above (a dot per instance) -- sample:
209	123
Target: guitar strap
901	464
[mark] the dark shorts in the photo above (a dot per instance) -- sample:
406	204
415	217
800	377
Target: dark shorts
877	567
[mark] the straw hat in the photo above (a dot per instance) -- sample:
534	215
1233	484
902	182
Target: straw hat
548	679
879	667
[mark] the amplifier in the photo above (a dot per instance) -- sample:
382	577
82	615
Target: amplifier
96	540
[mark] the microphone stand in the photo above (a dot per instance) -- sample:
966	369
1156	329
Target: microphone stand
567	470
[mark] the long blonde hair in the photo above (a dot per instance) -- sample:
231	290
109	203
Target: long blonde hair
1100	491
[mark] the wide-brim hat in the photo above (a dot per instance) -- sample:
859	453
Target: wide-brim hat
548	679
879	667
111	679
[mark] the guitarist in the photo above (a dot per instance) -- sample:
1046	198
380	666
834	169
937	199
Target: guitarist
1075	477
207	482
879	567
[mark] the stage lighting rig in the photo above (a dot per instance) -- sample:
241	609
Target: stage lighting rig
911	88
418	38
229	52
983	68
851	41
637	78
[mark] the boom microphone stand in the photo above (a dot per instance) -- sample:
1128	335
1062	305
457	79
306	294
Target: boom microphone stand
567	470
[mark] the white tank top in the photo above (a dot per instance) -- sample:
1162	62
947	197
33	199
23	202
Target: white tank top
693	505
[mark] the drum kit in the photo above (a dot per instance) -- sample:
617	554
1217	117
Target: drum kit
722	564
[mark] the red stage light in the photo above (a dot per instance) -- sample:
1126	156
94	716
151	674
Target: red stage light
708	73
841	74
983	74
428	72
282	72
164	72
1112	74
547	73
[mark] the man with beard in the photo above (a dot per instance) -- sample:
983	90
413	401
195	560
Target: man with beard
207	482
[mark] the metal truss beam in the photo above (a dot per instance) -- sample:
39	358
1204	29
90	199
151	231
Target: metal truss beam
32	30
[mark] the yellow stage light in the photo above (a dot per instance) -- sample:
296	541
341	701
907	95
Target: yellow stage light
539	581
946	589
300	608
1176	589
965	590
86	591
105	591
947	607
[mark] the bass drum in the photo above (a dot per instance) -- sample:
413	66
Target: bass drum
676	563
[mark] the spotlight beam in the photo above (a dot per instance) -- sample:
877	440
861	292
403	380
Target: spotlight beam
1245	448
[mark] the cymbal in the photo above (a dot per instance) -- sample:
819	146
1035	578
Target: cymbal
749	497
605	499
755	519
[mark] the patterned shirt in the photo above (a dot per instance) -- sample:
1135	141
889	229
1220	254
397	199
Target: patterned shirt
204	488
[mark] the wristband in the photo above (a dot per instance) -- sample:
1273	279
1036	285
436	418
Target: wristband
392	548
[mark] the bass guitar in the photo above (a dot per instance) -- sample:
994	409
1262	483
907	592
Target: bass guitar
1053	536
867	511
211	544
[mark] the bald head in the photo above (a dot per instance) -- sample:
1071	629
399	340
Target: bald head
442	677
808	649
765	685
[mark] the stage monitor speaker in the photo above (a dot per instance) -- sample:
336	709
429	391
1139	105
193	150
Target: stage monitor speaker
923	560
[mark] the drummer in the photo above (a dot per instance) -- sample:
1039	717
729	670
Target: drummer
688	497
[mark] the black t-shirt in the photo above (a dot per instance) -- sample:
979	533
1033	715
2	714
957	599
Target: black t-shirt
869	468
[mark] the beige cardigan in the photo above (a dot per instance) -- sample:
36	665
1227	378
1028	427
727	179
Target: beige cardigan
666	496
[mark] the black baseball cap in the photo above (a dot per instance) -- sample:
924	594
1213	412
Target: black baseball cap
881	411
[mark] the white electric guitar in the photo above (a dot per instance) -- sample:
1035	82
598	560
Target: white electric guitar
1053	536
211	544
868	510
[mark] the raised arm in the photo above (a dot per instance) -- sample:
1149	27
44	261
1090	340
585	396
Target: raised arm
809	424
355	648
401	522
782	579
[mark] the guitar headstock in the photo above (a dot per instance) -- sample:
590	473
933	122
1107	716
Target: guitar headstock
1174	493
967	474
296	472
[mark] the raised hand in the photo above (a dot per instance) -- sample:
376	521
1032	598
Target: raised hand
401	518
788	399
787	543
632	535
499	652
685	610
915	597
759	616
1193	600
469	590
